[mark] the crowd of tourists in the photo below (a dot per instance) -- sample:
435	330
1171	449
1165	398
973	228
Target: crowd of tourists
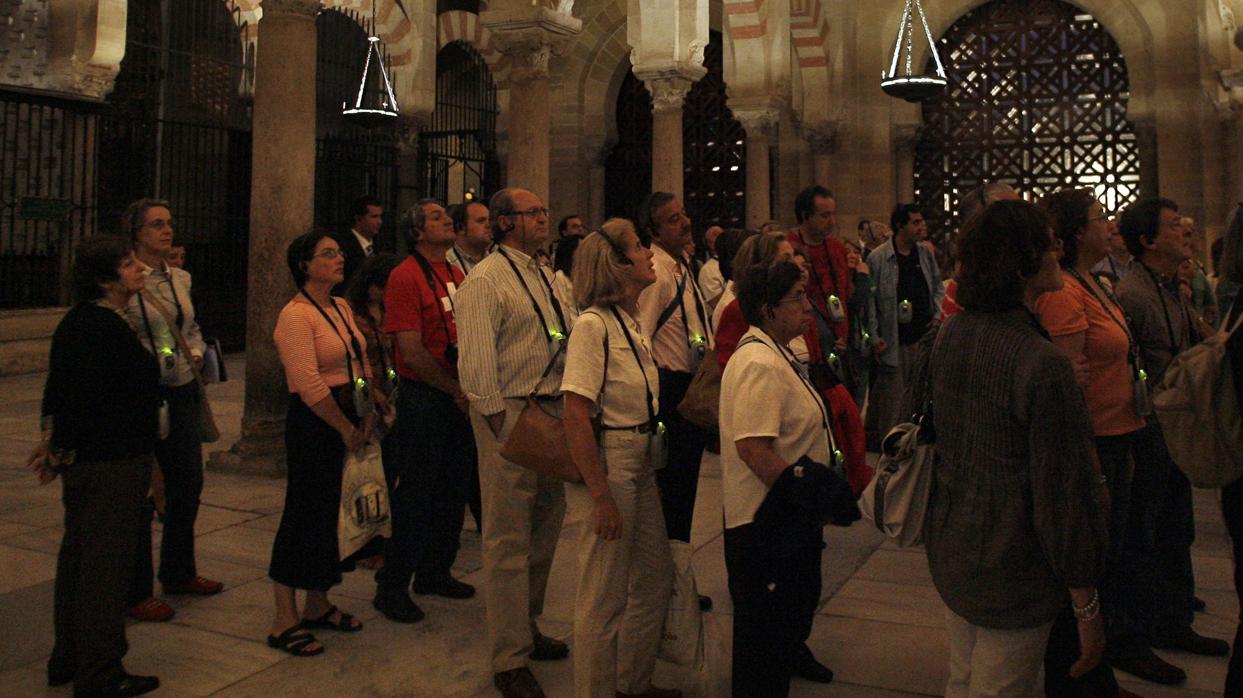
1059	526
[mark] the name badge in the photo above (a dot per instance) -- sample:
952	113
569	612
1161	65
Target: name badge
836	312
906	312
446	303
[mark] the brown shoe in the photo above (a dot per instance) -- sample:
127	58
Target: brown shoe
152	610
199	586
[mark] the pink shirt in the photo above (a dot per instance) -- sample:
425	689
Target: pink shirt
312	352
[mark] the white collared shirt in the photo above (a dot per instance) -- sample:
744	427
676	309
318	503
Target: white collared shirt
671	341
619	390
364	243
170	287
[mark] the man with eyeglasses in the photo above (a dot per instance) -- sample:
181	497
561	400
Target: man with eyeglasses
511	326
1157	557
674	313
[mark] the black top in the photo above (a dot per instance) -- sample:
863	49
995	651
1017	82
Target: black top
1234	348
101	388
912	286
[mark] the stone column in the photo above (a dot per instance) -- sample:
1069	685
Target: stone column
788	167
1146	142
596	154
408	191
282	206
529	37
760	126
823	138
904	139
806	163
669	89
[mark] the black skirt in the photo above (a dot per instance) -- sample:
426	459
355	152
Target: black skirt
305	554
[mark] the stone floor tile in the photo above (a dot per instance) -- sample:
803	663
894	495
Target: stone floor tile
1220	604
9	529
249	547
213	518
30	680
41	540
245	612
907	604
192	661
36	515
267	522
23	568
897	567
891	656
1213	572
26	614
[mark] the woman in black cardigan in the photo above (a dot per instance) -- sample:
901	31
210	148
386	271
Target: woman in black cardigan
99	428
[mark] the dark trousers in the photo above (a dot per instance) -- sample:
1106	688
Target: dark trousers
102	502
435	452
1160	531
180	459
771	597
679	479
1062	652
1232	511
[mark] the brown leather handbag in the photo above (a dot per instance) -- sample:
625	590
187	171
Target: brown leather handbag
701	405
537	441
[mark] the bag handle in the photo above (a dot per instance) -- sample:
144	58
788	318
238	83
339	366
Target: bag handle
547	369
181	342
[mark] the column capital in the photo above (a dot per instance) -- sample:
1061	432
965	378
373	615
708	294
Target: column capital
823	136
669	87
530	37
758	122
306	8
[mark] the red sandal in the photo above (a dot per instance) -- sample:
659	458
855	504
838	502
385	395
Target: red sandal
151	611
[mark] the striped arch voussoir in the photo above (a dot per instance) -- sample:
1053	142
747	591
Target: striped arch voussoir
744	20
809	33
459	25
392	25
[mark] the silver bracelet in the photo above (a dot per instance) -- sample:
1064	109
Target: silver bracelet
1089	612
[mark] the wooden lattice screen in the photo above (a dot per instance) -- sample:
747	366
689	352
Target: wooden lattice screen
1037	98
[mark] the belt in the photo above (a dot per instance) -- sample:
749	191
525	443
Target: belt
643	428
541	398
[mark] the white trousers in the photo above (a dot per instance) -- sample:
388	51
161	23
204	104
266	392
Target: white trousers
624	584
989	663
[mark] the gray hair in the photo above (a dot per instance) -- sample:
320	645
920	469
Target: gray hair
501	204
415	218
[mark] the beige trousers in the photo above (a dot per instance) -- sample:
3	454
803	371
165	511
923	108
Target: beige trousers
989	663
623	585
522	516
885	400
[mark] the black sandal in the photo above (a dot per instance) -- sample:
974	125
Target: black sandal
345	623
294	644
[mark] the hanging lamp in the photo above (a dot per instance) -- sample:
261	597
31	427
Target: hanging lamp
907	85
376	103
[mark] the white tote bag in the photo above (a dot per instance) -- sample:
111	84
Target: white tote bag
682	641
365	511
896	501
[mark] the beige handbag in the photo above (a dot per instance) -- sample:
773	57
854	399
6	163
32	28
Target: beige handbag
208	431
537	441
701	405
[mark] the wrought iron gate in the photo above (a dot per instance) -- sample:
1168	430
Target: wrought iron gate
457	151
713	150
349	161
178	127
1037	98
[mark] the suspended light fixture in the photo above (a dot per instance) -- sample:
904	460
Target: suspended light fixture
376	103
908	85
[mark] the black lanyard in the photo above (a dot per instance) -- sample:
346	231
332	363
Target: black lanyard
181	316
1169	326
792	360
462	260
699	308
1132	345
155	351
358	350
647	387
535	304
432	279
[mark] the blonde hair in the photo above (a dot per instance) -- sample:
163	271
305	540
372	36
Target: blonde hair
601	265
758	250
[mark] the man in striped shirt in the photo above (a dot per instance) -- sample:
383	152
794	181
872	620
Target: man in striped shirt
511	324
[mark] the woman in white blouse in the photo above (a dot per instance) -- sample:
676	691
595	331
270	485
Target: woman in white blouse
625	571
771	417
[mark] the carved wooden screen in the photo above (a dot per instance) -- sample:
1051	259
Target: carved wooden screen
1037	98
713	149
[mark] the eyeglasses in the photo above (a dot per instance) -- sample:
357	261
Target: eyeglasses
330	254
797	298
534	212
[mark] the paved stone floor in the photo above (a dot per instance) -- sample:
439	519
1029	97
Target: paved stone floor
879	628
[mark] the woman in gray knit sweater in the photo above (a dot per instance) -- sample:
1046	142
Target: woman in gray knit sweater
1016	520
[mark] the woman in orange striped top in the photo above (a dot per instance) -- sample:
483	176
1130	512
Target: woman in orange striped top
323	353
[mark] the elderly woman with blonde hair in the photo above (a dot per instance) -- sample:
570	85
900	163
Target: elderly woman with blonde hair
625	569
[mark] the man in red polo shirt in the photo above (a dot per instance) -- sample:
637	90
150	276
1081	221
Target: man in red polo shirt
435	445
829	285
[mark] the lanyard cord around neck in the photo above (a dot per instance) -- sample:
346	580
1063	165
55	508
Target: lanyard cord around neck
792	361
155	351
828	260
358	351
647	386
1132	345
1169	326
552	334
699	308
429	273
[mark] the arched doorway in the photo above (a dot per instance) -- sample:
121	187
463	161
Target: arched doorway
350	160
1037	98
177	127
457	151
714	148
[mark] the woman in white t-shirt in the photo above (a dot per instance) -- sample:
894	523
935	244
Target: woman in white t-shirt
771	416
625	570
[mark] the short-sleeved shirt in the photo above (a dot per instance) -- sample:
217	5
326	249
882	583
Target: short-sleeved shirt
315	346
763	396
624	389
411	304
671	342
1109	393
913	287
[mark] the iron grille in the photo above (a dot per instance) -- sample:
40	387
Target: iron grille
1037	98
713	150
457	151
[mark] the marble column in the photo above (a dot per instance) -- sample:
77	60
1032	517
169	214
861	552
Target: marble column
668	90
822	136
529	38
806	163
760	126
904	139
1146	142
282	206
788	167
408	191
